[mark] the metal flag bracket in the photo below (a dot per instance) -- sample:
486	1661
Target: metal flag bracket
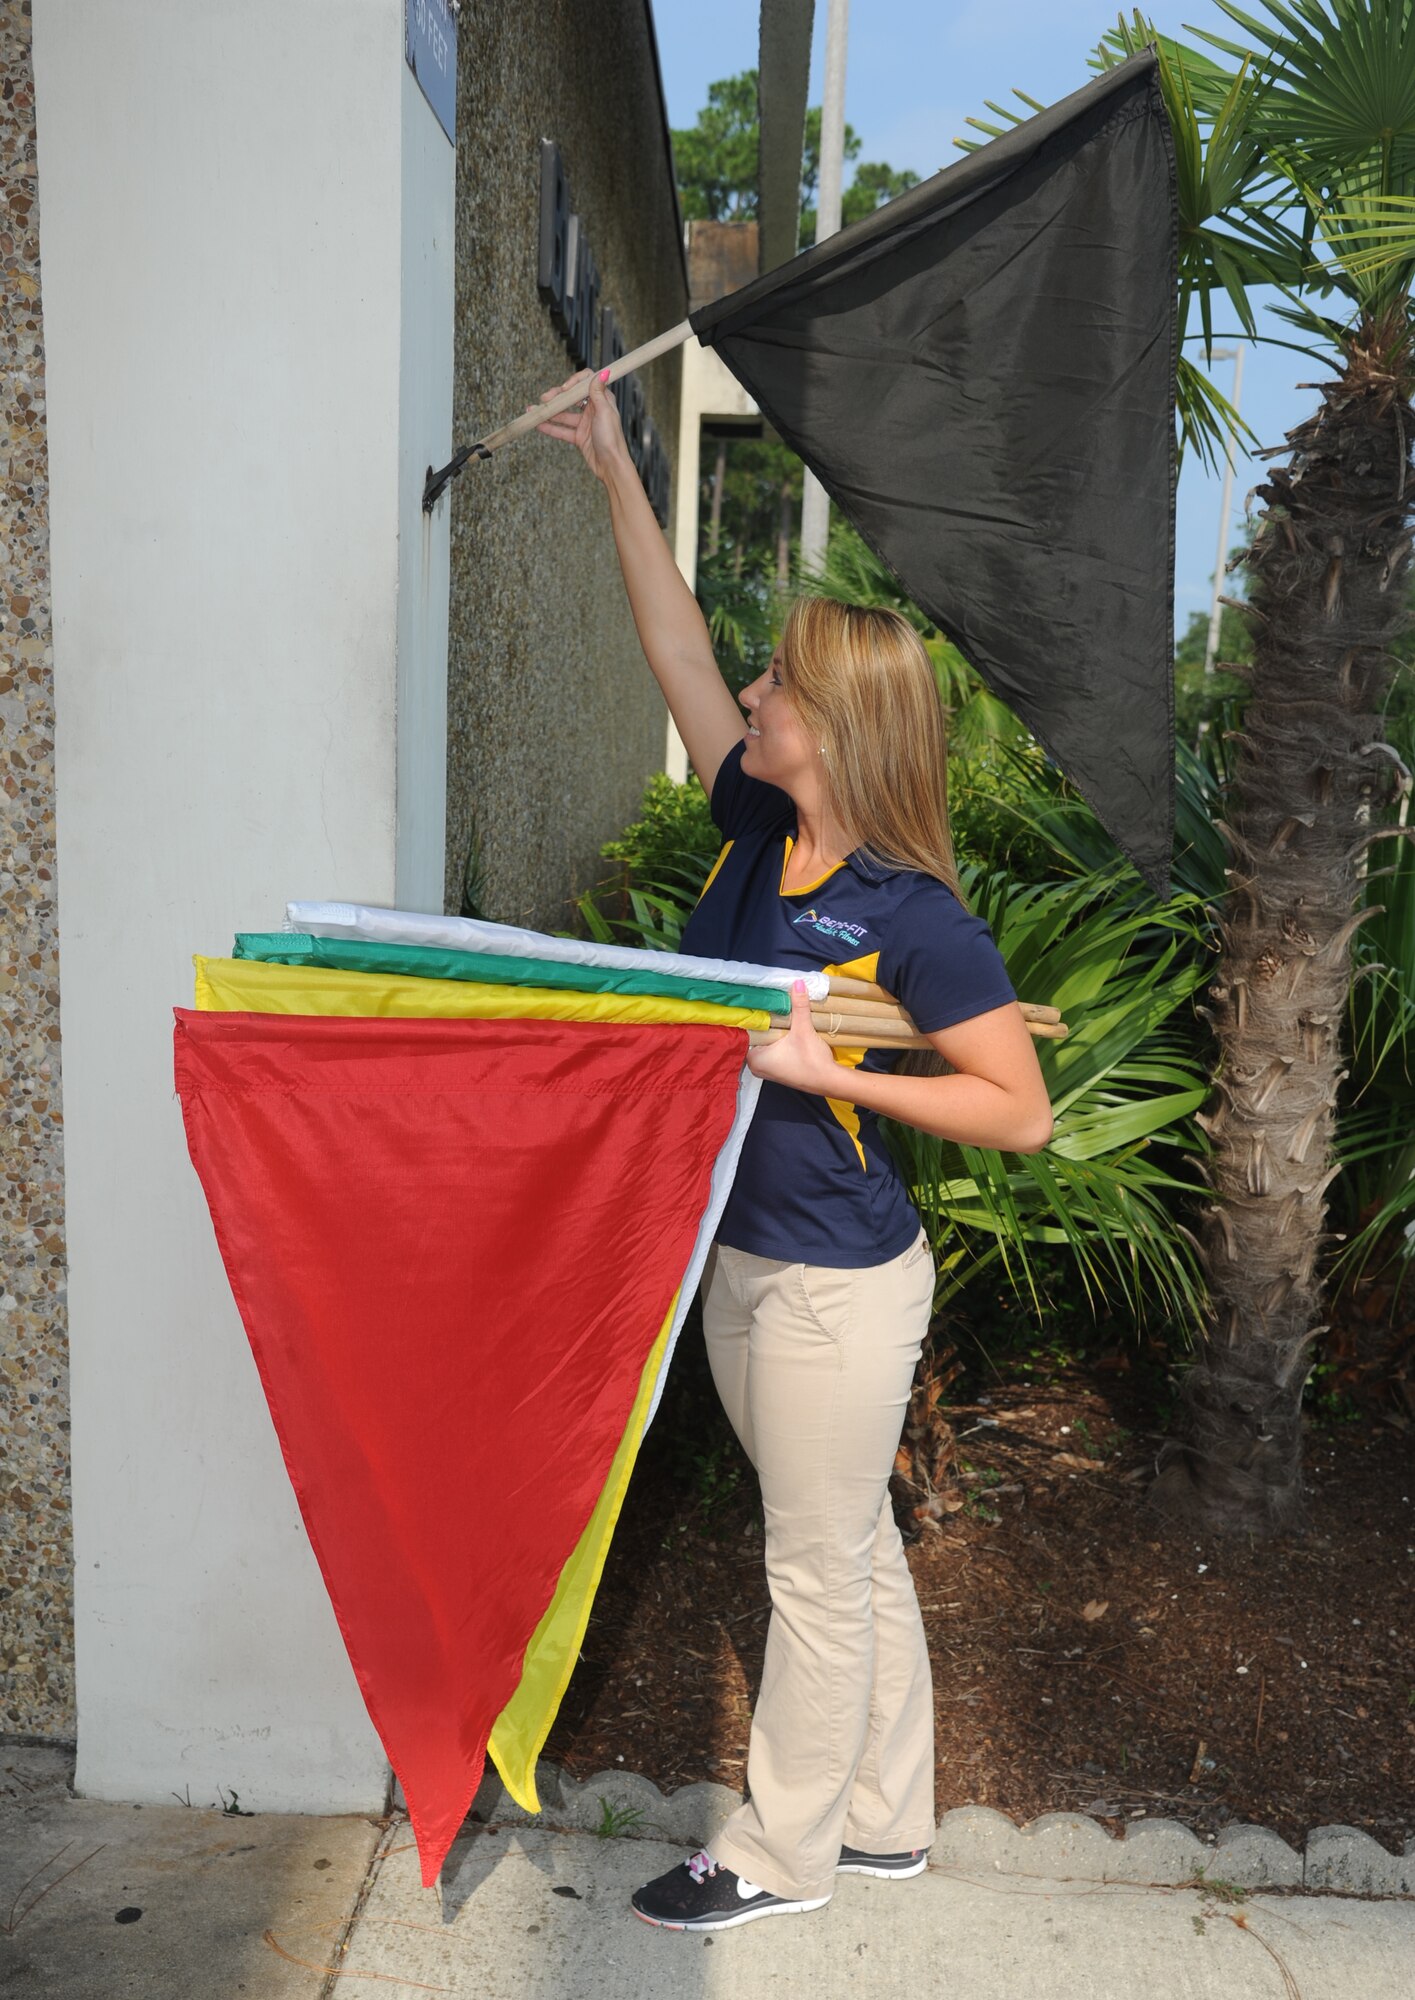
662	343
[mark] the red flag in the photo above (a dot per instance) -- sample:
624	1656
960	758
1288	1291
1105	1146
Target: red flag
452	1244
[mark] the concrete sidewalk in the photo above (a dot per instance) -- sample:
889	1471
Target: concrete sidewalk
165	1902
537	1915
174	1904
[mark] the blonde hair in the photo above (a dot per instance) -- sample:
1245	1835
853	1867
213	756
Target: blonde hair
863	685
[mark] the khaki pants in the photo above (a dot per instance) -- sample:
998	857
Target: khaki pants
814	1367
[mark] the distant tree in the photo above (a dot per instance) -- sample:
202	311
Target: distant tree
751	489
760	488
1212	700
1234	642
873	185
744	608
716	161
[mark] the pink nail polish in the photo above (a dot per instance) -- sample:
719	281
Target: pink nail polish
604	374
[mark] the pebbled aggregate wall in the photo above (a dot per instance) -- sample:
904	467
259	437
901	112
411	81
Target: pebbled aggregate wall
554	721
36	1554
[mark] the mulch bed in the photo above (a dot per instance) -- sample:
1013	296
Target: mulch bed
1085	1657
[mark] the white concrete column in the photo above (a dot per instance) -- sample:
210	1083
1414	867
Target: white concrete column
815	501
710	389
246	240
685	519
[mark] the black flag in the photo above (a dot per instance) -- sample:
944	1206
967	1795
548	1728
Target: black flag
982	376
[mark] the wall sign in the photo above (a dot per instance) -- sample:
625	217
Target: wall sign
568	278
430	50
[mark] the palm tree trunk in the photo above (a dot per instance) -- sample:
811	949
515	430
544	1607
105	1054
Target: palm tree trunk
1327	565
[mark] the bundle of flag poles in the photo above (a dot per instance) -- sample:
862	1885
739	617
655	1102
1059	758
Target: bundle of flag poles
463	1179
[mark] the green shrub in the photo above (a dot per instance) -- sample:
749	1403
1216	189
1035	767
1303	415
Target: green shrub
674	829
663	860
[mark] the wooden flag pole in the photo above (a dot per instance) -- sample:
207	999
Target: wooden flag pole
861	1038
886	1027
861	999
871	1007
638	357
847	1029
871	996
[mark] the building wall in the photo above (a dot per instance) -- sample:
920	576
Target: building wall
247	281
36	1560
251	707
555	722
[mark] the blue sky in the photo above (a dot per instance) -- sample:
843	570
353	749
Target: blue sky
916	72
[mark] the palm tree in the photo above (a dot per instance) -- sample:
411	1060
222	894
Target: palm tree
1296	168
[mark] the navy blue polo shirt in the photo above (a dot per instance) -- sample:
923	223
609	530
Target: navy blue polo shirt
816	1183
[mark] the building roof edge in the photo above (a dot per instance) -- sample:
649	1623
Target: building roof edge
667	143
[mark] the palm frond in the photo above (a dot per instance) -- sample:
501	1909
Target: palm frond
1071	843
1122	1082
1372	239
1375	1193
1299	312
1343	83
1209	85
1207	419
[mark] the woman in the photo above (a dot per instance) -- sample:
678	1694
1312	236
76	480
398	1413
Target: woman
818	1289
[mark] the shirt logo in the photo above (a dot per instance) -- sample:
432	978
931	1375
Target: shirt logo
831	927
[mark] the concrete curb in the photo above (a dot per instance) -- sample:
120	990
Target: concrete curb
1063	1846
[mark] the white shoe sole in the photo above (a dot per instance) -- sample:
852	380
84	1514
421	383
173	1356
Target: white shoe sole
727	1923
884	1874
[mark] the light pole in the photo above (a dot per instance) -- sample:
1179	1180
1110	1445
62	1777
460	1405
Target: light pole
815	501
1235	355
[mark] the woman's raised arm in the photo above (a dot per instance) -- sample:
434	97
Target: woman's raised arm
669	620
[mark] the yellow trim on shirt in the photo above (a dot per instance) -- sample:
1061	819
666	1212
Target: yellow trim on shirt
712	873
806	887
866	968
854	968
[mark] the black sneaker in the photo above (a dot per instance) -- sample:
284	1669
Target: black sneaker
700	1894
853	1862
